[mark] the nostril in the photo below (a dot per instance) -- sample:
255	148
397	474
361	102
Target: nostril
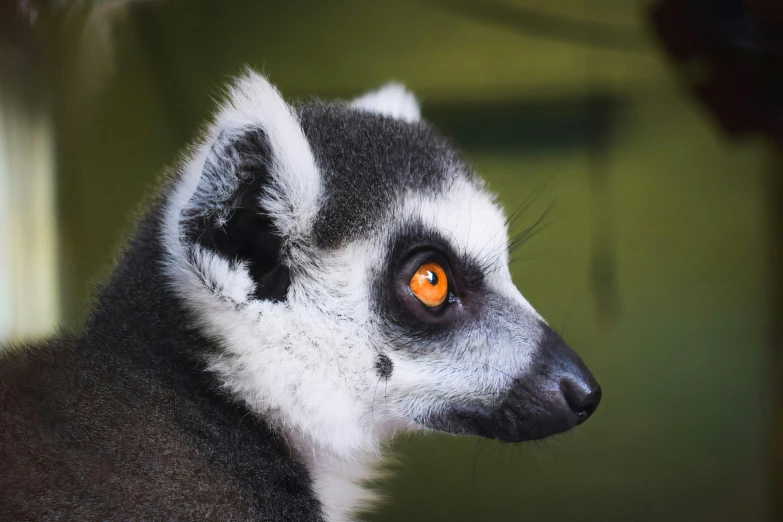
581	398
589	405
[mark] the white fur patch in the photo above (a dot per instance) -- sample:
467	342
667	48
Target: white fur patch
392	100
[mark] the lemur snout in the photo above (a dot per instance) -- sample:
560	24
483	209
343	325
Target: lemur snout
579	392
582	394
558	395
554	394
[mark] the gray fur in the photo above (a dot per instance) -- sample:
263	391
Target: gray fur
368	163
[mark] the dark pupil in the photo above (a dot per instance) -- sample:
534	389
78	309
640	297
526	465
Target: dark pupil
432	278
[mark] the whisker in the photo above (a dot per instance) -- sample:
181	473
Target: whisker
372	408
497	370
483	441
518	212
565	317
518	239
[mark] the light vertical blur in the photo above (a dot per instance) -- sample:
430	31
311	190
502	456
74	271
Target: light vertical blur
29	298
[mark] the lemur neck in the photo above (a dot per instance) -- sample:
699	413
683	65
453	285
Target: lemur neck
137	313
342	484
138	307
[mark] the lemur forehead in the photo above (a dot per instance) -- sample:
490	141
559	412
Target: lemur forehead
370	164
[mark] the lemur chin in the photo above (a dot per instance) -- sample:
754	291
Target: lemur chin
230	367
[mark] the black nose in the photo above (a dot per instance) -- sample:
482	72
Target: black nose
582	395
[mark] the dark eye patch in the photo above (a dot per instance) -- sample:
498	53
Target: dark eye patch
412	247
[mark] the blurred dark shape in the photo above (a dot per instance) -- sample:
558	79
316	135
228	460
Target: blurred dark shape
16	32
730	54
730	61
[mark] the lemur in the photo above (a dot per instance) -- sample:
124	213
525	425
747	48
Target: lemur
300	258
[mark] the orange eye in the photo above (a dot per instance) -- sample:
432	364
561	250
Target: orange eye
430	284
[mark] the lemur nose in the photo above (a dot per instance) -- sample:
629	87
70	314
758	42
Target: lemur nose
582	393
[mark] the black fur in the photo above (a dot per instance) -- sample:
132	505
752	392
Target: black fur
120	422
385	366
367	162
414	325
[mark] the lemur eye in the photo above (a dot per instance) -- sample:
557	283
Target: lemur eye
430	284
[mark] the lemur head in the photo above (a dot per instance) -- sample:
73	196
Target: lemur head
352	270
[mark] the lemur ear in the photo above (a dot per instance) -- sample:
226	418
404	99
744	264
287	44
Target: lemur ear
251	190
392	100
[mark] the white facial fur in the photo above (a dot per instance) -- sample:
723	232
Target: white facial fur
308	363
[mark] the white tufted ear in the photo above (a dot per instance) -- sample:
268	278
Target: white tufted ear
256	134
253	171
392	100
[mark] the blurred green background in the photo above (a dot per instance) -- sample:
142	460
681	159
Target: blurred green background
654	263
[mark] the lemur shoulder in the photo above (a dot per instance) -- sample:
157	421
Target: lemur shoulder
229	367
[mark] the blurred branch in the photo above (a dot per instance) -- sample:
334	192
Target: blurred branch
601	113
547	25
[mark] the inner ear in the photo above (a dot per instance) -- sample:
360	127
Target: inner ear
227	217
